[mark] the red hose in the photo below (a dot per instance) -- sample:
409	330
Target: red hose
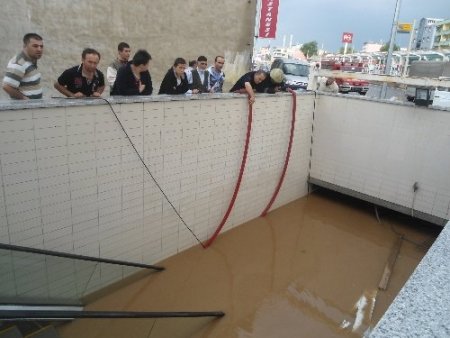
288	155
238	183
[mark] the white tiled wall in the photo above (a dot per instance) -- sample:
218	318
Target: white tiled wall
71	181
381	150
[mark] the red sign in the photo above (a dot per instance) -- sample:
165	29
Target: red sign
347	37
268	19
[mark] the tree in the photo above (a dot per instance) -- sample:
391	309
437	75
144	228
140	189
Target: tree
385	47
309	48
350	50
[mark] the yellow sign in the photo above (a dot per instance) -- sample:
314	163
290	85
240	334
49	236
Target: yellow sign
404	27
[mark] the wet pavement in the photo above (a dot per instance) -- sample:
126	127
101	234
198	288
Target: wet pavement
308	269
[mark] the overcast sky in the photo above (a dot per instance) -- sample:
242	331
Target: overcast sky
368	20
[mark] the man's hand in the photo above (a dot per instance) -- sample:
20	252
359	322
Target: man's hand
78	95
141	86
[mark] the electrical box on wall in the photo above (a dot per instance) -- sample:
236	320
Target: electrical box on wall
423	97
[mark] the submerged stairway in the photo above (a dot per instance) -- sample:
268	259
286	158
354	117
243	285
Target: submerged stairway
25	329
37	312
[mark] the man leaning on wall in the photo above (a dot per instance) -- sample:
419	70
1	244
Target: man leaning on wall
22	80
84	80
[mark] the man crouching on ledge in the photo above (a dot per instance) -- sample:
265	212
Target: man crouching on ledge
248	82
259	81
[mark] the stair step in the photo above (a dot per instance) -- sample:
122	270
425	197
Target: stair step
45	332
11	332
27	327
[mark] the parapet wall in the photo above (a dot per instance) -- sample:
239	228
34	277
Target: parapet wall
70	180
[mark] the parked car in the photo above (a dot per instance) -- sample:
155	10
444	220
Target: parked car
296	72
347	85
345	66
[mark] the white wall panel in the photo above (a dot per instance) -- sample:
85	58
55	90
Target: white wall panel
381	150
71	181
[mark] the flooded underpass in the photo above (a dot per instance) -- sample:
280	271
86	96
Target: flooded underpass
308	269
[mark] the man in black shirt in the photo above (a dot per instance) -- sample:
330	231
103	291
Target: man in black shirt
273	83
134	78
248	82
83	80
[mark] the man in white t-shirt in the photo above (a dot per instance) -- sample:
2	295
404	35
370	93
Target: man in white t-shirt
328	84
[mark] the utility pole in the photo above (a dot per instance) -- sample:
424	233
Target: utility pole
387	69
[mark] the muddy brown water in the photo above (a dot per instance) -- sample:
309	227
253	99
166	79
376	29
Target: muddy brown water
308	269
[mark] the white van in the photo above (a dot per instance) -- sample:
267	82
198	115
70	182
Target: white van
441	98
296	72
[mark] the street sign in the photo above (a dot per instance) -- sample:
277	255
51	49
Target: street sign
268	19
404	27
347	37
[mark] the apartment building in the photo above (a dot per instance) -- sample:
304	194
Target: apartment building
442	36
425	33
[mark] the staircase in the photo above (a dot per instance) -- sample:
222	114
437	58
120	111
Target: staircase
24	329
25	312
32	325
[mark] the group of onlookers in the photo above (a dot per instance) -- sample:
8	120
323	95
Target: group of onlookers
127	77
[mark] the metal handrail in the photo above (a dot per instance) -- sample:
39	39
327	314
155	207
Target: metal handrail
80	257
45	314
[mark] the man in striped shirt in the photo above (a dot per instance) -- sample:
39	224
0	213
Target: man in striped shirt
22	78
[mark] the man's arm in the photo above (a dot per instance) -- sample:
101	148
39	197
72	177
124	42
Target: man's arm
14	93
11	82
63	90
99	91
250	92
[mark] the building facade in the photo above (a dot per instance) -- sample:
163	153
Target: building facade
371	47
165	28
442	37
425	33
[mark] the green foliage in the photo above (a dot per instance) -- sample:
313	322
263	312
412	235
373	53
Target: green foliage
309	48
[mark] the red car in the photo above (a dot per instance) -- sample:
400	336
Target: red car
347	85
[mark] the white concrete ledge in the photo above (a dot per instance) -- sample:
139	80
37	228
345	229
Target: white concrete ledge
65	102
422	308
